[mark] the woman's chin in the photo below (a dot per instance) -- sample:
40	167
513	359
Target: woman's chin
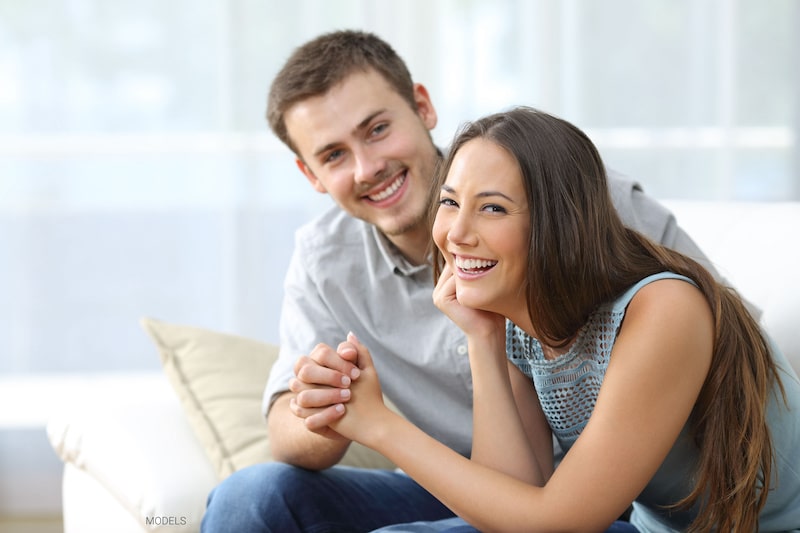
472	300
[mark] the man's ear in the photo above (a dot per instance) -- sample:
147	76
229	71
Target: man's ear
425	108
312	179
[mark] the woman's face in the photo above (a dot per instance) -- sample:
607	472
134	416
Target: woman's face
482	228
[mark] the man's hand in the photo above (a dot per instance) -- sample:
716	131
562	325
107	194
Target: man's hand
322	385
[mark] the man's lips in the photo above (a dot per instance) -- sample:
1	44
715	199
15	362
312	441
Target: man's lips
391	188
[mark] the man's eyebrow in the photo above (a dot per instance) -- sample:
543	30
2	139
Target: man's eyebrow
360	126
484	194
364	123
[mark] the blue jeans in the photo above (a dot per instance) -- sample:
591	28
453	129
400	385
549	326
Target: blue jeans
457	525
279	498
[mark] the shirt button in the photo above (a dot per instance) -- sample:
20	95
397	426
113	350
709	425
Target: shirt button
461	349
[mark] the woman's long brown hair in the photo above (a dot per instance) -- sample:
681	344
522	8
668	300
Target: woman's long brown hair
581	255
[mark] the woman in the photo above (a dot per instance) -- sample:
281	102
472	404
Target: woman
656	381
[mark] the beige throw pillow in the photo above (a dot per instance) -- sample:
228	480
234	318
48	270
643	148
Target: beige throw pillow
220	379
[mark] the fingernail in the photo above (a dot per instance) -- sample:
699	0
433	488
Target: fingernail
352	336
339	407
345	393
345	381
355	373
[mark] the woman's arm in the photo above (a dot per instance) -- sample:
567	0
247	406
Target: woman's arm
479	493
658	365
500	437
507	419
535	424
657	368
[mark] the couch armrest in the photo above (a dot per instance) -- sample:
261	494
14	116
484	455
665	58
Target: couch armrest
131	435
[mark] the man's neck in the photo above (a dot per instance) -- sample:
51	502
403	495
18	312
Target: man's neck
414	245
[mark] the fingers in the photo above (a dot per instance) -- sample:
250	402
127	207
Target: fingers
317	420
310	399
364	358
324	367
445	290
322	382
348	351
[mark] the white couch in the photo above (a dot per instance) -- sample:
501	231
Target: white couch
134	463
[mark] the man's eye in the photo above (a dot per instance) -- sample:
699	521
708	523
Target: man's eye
333	156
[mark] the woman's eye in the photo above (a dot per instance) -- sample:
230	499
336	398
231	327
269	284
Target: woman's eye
494	208
447	201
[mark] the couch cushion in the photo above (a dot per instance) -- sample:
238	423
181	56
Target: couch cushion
130	457
753	245
220	380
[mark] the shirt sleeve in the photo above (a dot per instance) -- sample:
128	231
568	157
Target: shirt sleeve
644	214
305	320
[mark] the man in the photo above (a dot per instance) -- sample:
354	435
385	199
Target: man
360	129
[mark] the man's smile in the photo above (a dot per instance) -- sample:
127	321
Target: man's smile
390	188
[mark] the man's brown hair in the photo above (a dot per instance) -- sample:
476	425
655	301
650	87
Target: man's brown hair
318	65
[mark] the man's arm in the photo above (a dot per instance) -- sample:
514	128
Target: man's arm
291	442
322	381
644	214
305	321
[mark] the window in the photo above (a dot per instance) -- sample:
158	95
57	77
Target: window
138	176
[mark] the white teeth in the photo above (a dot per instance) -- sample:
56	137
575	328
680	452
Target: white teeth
474	264
388	191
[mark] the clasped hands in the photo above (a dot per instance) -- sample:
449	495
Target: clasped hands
337	392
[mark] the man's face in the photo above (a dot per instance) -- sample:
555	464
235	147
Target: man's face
364	145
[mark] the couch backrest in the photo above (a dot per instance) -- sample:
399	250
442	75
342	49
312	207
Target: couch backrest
756	247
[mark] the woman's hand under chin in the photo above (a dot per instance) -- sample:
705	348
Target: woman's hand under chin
471	321
365	411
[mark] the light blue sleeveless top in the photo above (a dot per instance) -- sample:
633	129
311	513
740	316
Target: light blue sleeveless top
568	387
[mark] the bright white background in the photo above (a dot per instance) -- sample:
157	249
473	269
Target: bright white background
138	175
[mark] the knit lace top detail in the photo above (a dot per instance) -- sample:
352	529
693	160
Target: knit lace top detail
568	385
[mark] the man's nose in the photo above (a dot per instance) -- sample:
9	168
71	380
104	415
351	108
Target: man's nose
369	167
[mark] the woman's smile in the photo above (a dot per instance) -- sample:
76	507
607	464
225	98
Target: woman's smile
472	267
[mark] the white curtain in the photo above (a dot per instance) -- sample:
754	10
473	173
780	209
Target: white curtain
138	176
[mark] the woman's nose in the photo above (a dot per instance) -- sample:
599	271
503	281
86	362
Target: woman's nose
461	231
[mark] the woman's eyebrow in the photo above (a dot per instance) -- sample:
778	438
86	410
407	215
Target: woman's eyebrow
494	193
484	194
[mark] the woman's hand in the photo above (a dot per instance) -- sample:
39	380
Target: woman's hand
365	411
321	383
471	321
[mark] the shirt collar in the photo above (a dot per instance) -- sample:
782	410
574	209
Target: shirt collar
397	261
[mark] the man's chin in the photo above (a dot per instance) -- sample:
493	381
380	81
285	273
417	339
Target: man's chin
396	229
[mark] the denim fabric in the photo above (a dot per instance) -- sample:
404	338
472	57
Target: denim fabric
457	525
279	498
